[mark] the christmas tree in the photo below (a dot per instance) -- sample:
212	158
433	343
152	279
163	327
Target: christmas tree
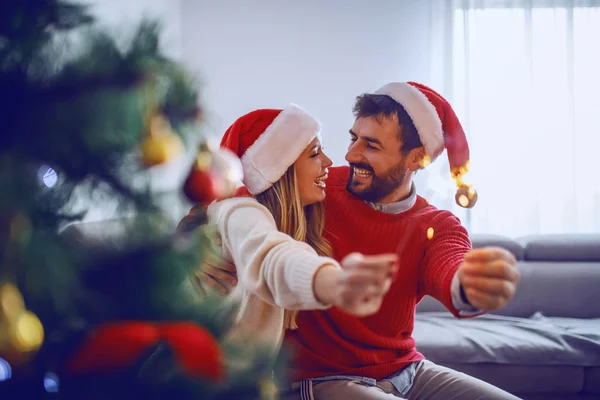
82	114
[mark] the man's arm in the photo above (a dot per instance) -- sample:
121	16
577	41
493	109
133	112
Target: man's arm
486	277
448	242
460	301
193	220
214	273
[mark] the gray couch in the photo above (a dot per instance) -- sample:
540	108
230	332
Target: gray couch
546	343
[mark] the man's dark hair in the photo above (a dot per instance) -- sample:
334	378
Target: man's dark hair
381	105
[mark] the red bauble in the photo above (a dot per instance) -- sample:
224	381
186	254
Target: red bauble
203	186
197	351
113	347
214	175
116	346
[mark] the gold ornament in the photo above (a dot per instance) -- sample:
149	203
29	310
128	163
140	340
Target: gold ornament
268	389
21	332
204	159
161	144
466	195
11	303
27	334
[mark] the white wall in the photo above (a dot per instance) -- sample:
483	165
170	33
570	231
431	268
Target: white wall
319	54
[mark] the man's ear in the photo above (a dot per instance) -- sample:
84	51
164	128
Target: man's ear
417	159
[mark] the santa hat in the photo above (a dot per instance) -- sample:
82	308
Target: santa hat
438	128
268	142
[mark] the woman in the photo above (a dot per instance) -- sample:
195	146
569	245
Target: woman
272	231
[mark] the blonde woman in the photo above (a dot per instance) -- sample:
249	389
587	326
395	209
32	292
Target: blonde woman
272	232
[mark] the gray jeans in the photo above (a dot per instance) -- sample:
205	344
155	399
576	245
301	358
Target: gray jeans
431	382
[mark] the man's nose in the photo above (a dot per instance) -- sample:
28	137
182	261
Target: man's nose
354	153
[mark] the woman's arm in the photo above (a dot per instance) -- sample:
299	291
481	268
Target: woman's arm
270	264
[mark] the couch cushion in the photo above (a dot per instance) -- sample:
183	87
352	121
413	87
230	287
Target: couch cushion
508	340
429	304
562	247
524	379
513	246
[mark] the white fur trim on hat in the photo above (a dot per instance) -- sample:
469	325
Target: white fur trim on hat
269	157
421	111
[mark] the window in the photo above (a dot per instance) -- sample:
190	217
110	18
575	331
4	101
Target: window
526	86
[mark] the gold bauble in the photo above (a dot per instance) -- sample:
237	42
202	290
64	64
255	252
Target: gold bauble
268	389
11	303
28	334
161	148
466	196
21	332
161	144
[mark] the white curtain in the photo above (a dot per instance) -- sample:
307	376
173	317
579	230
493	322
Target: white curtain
524	78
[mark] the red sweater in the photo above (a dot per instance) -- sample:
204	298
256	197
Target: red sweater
333	343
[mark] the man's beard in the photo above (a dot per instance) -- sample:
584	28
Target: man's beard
380	186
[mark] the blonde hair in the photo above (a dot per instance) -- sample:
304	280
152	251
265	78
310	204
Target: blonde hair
303	223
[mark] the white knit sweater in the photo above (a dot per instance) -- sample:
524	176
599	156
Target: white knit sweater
275	272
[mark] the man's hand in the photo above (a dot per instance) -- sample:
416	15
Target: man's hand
215	272
489	277
360	286
218	275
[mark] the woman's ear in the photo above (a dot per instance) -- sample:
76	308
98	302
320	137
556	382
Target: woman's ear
417	159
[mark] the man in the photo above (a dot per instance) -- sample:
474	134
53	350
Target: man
372	208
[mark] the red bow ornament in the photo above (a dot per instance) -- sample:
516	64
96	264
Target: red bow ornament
118	345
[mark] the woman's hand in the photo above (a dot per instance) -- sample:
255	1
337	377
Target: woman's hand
359	286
